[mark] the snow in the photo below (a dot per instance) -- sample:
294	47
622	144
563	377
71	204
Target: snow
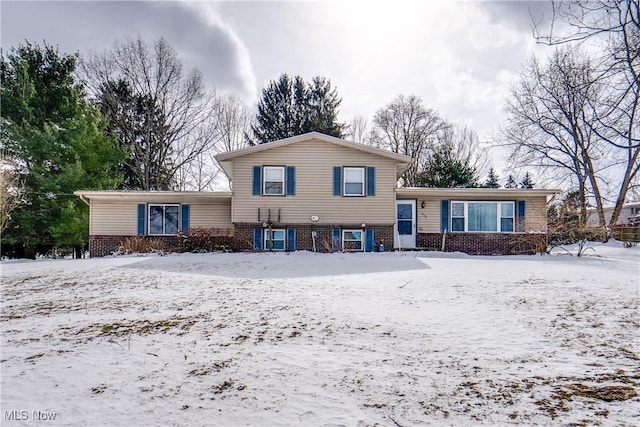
403	338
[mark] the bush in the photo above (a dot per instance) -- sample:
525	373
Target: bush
200	239
142	244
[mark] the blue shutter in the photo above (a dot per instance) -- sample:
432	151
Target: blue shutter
142	221
444	215
337	180
335	239
257	239
371	181
185	218
291	180
291	239
368	240
257	180
521	207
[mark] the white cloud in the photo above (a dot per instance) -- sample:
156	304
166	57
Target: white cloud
209	13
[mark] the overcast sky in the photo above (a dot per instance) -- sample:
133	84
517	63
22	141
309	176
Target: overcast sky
460	57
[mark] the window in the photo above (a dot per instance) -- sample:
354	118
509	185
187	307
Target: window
354	181
484	217
274	240
352	240
163	219
273	183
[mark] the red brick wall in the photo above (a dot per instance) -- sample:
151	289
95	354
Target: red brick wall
485	243
304	241
106	245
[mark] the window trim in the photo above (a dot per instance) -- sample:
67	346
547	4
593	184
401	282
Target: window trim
265	240
164	206
264	180
362	238
499	216
362	171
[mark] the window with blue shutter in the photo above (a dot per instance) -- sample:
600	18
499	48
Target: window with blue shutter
184	213
257	239
369	240
291	180
444	215
335	239
337	180
371	181
257	180
291	239
142	218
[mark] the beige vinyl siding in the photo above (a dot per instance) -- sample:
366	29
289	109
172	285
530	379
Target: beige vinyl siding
216	214
314	161
429	216
113	218
120	218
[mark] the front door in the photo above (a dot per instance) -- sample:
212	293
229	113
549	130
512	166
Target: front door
405	236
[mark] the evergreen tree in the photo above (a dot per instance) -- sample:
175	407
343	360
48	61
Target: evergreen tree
492	180
290	106
59	141
526	182
136	122
511	182
444	170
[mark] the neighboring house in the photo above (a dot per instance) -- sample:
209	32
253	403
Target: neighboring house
629	215
317	192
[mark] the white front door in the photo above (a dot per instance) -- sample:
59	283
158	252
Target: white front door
405	230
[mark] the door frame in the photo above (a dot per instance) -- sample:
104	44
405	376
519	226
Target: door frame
406	241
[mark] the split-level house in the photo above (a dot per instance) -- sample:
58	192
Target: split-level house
317	192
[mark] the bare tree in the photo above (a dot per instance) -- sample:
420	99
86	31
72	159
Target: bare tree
549	122
616	24
11	189
405	126
231	121
358	130
233	118
466	146
167	119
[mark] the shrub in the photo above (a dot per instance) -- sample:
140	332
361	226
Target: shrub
142	244
200	239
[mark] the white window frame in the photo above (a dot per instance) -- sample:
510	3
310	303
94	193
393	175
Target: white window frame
267	241
345	182
499	216
264	180
344	232
164	208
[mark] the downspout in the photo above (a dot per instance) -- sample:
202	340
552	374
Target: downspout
83	199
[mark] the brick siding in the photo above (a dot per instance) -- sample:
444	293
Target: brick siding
106	245
304	241
485	243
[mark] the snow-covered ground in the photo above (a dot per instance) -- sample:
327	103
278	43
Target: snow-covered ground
405	338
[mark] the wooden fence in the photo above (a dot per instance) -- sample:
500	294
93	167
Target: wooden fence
626	233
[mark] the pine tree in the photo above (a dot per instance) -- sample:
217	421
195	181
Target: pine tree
444	170
492	180
290	106
526	182
511	182
59	139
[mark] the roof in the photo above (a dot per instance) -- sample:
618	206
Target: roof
474	192
311	136
153	196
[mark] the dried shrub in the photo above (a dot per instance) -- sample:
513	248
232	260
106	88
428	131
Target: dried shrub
200	239
142	244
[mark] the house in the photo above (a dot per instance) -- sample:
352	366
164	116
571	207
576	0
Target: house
317	192
629	215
